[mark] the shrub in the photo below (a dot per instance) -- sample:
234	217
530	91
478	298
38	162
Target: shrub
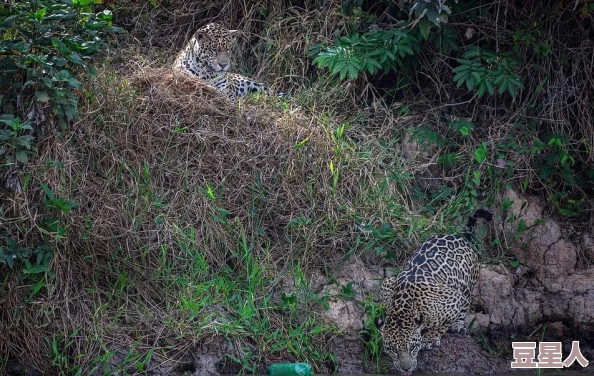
45	47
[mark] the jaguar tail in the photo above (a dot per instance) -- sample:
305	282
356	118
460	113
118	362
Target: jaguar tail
469	229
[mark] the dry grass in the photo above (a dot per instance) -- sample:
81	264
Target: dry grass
158	156
167	171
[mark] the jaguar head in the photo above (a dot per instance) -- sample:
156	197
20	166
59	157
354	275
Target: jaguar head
212	43
401	335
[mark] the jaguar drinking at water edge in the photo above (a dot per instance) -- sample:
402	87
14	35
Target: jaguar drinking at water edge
430	296
207	55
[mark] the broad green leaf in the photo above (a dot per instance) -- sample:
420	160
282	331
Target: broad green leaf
481	89
21	156
433	16
489	85
407	50
82	3
106	16
424	26
40	14
503	86
480	154
470	83
25	141
64	50
76	59
511	89
353	73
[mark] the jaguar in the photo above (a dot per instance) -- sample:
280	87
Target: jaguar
207	55
430	296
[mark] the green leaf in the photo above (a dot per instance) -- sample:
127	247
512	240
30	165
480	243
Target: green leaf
64	50
461	76
76	59
40	14
470	83
75	83
503	86
481	90
82	3
301	143
424	26
42	96
512	90
106	16
21	156
489	85
353	73
433	16
63	74
407	50
114	29
25	141
48	191
338	67
480	154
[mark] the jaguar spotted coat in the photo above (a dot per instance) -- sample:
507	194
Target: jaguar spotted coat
430	296
207	55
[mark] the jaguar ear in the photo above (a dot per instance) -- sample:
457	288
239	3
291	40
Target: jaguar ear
201	36
234	33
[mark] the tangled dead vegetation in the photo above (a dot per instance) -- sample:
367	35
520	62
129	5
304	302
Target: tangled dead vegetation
157	156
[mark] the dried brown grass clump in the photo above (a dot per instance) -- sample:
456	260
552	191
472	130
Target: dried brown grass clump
156	156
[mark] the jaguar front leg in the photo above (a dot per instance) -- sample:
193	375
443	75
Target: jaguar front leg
432	337
459	326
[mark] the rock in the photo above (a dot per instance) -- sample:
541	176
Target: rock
505	305
460	354
412	149
349	350
555	331
528	209
567	298
545	250
571	299
588	246
346	314
364	278
548	253
209	355
481	321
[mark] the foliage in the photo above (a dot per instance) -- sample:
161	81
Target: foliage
45	46
429	12
15	144
201	221
484	71
374	313
373	51
386	50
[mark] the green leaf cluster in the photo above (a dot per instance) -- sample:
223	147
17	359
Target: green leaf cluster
45	46
371	52
486	71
